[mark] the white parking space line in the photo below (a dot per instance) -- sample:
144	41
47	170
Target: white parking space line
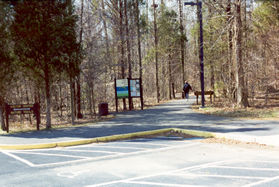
90	151
147	143
72	174
50	154
108	146
218	164
83	158
120	147
154	142
258	161
218	176
246	168
159	174
161	184
262	181
19	159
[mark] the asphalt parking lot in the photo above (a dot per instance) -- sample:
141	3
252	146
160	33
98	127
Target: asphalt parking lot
160	161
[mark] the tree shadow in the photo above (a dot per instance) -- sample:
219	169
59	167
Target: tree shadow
176	114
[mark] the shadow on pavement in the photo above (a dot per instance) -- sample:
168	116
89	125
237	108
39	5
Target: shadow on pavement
176	114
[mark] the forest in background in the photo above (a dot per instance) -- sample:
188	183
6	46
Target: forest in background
65	54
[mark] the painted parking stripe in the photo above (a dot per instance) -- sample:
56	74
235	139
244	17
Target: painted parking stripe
158	174
246	168
90	151
19	158
262	181
117	147
81	159
218	176
72	174
114	156
146	143
50	154
160	184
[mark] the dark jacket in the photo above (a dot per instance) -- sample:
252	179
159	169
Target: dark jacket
187	87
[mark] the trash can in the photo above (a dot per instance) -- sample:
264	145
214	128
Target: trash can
103	109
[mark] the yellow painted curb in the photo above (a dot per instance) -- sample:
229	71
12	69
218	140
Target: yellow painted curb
28	146
166	132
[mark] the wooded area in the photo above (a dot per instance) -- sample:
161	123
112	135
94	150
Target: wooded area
65	54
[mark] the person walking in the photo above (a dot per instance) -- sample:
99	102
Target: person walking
186	88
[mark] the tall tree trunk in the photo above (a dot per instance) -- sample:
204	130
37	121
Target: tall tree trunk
156	50
61	98
105	29
242	99
212	74
169	70
265	65
48	96
72	90
246	65
27	100
78	99
2	109
139	38
93	98
108	77
182	46
122	46
79	115
89	91
229	80
128	50
128	40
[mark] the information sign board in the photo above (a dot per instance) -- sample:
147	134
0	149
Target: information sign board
122	89
128	88
135	88
23	109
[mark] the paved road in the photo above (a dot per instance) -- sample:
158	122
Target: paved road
161	161
176	113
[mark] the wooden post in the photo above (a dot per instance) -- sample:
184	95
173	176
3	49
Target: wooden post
141	95
129	94
116	99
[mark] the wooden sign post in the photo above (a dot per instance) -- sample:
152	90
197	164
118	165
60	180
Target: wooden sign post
23	109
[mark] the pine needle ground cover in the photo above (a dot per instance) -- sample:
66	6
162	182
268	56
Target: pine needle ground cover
258	109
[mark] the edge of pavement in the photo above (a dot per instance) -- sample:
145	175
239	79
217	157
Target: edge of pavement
167	132
270	140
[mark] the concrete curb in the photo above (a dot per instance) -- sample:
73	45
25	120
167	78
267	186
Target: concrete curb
165	132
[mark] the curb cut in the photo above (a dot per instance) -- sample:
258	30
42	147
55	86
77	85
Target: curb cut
142	134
